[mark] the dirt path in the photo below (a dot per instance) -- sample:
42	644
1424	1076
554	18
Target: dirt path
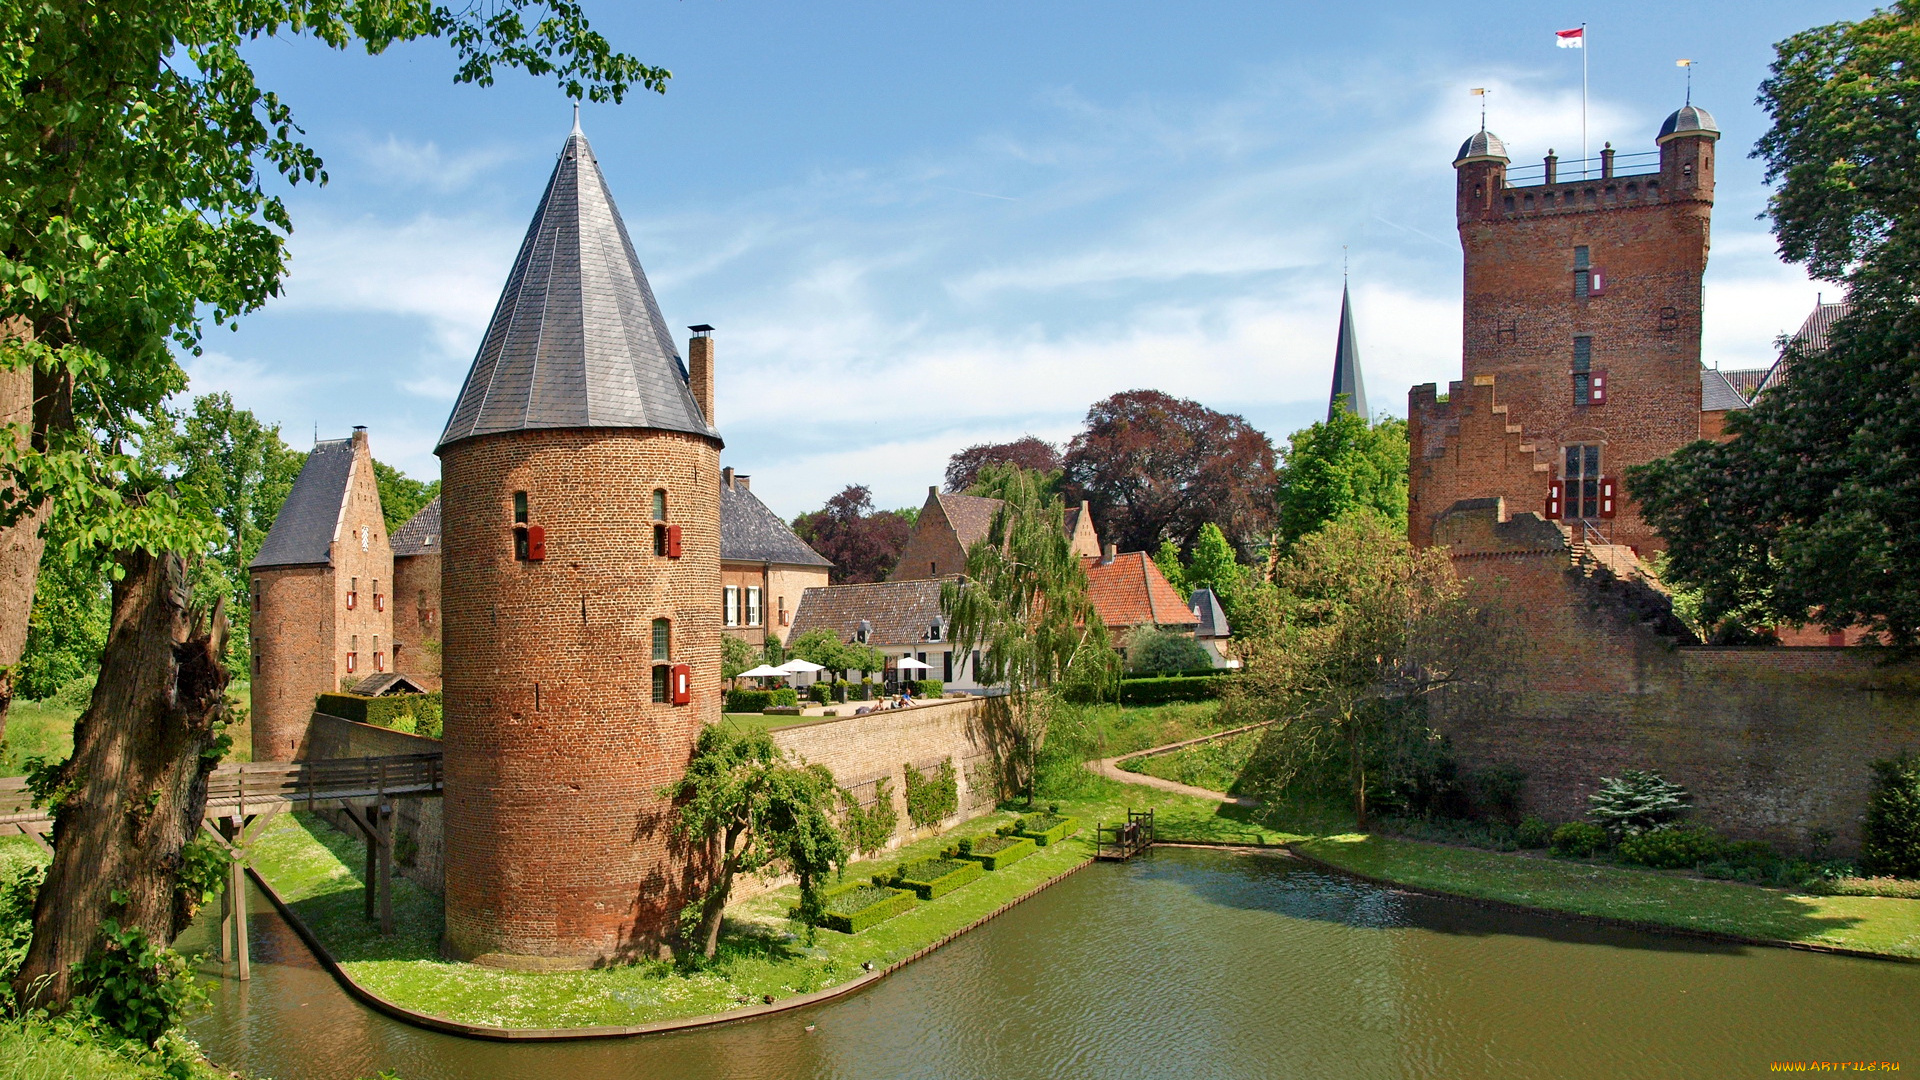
1110	768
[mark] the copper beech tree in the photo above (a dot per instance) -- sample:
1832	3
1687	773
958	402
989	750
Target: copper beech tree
135	150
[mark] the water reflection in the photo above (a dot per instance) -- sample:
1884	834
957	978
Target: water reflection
1187	965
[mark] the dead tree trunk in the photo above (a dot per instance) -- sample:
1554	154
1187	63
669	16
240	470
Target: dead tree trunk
133	792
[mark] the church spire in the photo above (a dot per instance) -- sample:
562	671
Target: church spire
577	339
1346	365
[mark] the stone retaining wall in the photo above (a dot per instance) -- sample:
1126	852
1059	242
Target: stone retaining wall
417	830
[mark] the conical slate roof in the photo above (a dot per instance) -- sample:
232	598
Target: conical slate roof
1346	365
577	340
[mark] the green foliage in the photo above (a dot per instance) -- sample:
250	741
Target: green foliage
1215	566
997	852
1167	558
140	989
1636	801
785	696
1579	840
929	689
1048	828
20	880
67	630
1533	832
1890	834
748	701
414	714
819	693
853	908
1160	690
205	866
1153	651
869	828
1339	466
824	647
996	478
401	496
1671	847
840	692
1500	787
1025	607
932	799
736	656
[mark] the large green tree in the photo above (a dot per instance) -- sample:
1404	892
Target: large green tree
1025	605
401	496
136	147
1805	515
1339	465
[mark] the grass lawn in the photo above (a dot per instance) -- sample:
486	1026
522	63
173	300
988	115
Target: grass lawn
1215	765
36	728
37	1050
314	868
1867	923
753	721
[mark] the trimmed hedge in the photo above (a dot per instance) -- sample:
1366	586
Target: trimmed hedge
1046	829
931	879
1158	690
414	714
933	689
748	700
1010	850
877	903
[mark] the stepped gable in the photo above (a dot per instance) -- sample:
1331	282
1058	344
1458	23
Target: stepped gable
303	531
421	534
1346	365
577	339
749	532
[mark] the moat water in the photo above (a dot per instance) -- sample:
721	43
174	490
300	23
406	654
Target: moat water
1184	965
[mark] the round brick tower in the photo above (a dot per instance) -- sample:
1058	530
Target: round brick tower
581	630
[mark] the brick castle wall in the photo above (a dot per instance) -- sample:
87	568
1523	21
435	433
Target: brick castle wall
932	549
416	615
293	656
1504	427
1773	743
362	565
557	845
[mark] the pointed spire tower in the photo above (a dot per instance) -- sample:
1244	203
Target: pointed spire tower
581	642
1346	365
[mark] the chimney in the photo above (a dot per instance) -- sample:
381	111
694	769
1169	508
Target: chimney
743	481
1606	162
700	369
1107	553
359	437
726	477
933	491
1553	167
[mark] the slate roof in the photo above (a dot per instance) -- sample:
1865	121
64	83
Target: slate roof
970	515
1481	145
1346	365
1717	394
749	532
902	612
388	683
1213	620
1689	119
302	533
421	534
1131	591
577	339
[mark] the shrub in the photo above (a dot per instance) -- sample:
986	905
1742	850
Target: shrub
855	907
786	695
929	688
819	693
1636	801
1151	651
931	879
140	989
748	701
1890	836
1579	840
414	714
1047	828
932	800
1500	786
1159	690
994	852
869	828
1671	848
1533	833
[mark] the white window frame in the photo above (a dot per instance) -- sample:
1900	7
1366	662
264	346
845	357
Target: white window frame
753	605
730	604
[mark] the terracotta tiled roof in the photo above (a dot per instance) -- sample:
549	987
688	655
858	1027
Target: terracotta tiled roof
902	612
1813	336
1747	380
1131	591
970	515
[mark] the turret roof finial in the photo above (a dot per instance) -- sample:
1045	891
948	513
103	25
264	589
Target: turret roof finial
576	118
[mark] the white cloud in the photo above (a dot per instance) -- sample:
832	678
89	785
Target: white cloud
424	165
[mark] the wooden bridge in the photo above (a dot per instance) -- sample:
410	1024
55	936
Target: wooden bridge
241	797
1118	843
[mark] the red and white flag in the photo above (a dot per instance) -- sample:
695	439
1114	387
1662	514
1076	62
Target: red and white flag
1575	38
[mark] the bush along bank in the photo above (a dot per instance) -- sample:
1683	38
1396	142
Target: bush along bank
1047	828
994	852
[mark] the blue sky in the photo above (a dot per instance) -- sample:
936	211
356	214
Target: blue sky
920	226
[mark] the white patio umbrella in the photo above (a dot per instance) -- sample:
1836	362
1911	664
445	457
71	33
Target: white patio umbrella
797	666
764	671
908	663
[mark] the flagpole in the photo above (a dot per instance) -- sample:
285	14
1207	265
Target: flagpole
1585	46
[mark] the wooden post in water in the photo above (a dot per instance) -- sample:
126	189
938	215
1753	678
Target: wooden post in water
237	889
227	900
385	816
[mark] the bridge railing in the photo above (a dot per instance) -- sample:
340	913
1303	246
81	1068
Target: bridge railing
235	787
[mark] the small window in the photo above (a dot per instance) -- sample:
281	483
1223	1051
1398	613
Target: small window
1583	481
946	666
661	678
660	540
519	508
783	610
256	596
753	605
933	569
659	504
1582	370
1509	203
662	639
729	607
521	549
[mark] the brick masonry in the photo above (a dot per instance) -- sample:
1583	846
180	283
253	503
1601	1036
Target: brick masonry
416	615
557	845
1503	429
417	823
1773	743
